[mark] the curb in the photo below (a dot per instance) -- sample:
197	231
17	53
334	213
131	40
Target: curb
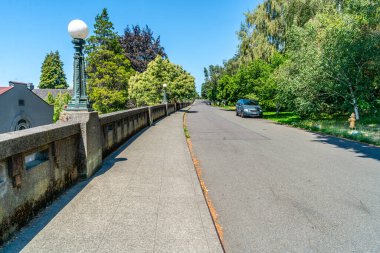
198	170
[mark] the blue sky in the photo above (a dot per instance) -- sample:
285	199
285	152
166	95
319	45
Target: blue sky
194	33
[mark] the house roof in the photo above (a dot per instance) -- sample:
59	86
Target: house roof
42	93
28	87
5	89
12	83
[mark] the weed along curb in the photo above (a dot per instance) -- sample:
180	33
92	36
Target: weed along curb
198	170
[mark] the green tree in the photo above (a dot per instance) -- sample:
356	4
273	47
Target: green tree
301	79
210	86
146	88
182	87
108	70
332	64
59	102
264	31
250	81
205	88
52	74
313	57
104	35
351	59
108	77
229	83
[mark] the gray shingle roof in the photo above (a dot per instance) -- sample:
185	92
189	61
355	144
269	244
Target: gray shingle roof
42	93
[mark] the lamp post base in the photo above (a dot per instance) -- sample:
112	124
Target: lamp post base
79	107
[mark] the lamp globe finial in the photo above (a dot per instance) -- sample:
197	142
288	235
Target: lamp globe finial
78	29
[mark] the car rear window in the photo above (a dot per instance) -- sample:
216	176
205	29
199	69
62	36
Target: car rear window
249	102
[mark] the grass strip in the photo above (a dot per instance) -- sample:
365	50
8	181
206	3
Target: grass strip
367	128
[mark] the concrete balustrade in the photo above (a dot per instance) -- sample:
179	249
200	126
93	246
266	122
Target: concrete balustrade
117	127
29	182
157	112
171	108
37	164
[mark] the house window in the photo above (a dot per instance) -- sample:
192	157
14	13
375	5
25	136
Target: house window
21	102
36	158
22	124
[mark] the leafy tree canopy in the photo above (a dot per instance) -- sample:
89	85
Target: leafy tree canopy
140	46
147	88
108	78
312	57
59	102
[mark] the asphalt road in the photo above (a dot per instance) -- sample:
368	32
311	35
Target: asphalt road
281	189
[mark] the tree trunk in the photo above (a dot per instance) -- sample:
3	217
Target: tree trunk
278	107
354	102
339	6
356	109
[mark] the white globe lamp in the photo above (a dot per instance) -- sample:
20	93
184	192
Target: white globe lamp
78	29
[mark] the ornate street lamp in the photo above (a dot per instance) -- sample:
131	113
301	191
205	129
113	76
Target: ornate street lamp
165	100
78	30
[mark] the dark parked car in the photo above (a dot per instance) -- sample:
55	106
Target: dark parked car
248	108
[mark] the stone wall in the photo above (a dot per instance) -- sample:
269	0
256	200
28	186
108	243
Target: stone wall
27	186
118	127
171	108
37	164
157	112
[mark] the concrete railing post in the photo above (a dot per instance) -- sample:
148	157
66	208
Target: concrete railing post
150	115
90	150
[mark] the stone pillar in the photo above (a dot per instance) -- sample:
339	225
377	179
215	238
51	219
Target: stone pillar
150	115
90	156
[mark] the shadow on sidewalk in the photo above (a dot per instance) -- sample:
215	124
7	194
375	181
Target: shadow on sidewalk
26	234
363	150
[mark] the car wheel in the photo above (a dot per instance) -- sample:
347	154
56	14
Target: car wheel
242	114
237	114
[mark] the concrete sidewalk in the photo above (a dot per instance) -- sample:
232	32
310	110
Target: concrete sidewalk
147	198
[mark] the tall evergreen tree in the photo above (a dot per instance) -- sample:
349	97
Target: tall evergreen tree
52	74
108	70
104	35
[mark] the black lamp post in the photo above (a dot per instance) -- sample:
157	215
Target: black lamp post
165	99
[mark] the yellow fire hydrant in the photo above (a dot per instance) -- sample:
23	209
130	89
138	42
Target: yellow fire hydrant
352	121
